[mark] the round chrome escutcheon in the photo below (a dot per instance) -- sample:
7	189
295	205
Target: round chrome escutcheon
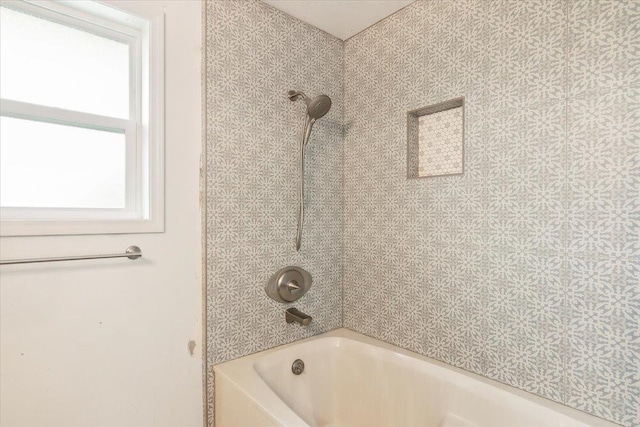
288	284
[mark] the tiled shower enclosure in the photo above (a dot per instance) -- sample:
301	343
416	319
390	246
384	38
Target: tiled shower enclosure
525	268
255	55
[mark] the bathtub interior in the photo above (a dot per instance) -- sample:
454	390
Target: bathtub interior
352	383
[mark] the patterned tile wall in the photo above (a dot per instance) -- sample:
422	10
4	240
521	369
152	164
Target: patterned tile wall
255	54
526	268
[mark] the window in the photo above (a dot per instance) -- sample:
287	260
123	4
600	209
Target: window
81	119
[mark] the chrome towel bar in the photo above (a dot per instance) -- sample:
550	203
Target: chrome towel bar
132	252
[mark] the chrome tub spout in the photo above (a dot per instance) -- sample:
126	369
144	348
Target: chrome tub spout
295	315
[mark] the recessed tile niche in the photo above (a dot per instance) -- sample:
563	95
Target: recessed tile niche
435	140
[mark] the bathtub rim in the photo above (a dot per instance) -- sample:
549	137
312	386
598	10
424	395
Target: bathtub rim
242	374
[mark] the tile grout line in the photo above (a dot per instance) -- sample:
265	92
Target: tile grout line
565	237
207	383
204	221
485	167
343	191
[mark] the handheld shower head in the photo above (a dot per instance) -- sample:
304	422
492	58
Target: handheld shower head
316	108
319	106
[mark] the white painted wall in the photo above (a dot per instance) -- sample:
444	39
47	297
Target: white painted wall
343	18
104	343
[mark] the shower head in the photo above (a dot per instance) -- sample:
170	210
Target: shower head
318	106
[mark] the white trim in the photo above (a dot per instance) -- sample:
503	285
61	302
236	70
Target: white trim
153	169
67	215
85	12
66	228
73	16
42	113
144	130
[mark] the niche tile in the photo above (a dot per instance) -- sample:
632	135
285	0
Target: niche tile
435	145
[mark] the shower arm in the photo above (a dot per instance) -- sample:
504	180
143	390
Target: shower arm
308	124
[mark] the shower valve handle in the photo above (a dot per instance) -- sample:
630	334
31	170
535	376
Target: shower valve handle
293	286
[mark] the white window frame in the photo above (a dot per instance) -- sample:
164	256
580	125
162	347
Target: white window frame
143	129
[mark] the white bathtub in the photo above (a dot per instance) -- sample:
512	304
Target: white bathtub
356	381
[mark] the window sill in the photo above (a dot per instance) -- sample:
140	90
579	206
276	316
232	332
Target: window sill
61	228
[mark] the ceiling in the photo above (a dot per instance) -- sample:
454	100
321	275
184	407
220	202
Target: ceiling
341	18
